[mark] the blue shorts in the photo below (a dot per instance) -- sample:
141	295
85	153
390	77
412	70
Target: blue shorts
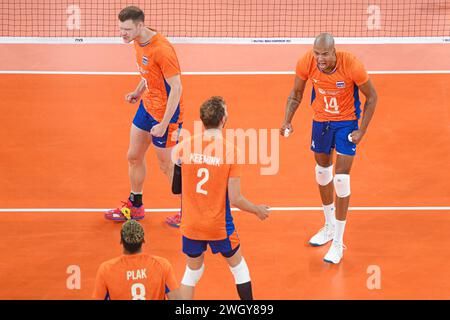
143	120
333	134
225	247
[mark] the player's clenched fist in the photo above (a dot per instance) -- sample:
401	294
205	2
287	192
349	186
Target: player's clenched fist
262	211
158	130
286	129
132	97
356	136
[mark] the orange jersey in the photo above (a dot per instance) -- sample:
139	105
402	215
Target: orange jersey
335	96
158	61
134	277
208	162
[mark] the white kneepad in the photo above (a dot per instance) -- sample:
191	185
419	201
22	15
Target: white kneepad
191	277
240	272
324	175
342	185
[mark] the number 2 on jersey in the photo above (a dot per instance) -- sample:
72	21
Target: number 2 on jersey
332	106
200	173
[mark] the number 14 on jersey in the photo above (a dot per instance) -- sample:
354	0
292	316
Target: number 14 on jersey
331	105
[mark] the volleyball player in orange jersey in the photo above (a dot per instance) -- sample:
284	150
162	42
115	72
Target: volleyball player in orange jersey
209	181
160	111
336	77
135	275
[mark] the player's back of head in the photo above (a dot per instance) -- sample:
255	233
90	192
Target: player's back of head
212	112
132	236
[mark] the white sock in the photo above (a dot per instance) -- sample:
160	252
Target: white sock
339	231
329	212
136	192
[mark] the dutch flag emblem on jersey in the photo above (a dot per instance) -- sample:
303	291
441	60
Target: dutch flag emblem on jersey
340	84
144	60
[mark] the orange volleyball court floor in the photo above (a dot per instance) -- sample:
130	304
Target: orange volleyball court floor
64	143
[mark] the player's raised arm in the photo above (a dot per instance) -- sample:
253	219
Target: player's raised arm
240	202
369	109
292	105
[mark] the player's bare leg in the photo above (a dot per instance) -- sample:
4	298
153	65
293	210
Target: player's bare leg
193	273
241	274
165	161
326	192
343	166
324	179
342	186
137	169
133	208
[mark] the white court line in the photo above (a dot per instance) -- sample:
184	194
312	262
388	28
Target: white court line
37	210
207	73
